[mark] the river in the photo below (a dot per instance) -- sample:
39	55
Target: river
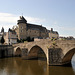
17	66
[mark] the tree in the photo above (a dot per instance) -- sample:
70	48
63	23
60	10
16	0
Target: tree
18	40
32	39
2	40
28	39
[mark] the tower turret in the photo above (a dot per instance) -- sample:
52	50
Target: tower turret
22	27
2	30
22	20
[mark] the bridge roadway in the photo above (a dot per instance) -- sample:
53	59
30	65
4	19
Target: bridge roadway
57	52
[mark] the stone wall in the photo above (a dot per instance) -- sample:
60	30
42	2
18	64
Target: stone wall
6	51
22	31
55	56
53	35
25	30
33	33
24	53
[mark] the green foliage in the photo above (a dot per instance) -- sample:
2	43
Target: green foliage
32	39
2	40
54	43
53	39
25	40
28	39
47	46
18	40
63	39
22	40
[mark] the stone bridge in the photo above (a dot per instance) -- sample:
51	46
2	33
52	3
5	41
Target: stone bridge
57	52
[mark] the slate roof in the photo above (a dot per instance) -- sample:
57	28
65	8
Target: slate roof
22	20
13	31
54	32
35	27
31	26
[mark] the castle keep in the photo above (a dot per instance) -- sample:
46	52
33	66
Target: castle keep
25	30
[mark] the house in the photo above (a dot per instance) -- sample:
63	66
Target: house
10	37
53	34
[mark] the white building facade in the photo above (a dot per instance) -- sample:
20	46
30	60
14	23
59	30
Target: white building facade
10	37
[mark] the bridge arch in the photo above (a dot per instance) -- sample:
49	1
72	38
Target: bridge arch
17	51
37	52
68	56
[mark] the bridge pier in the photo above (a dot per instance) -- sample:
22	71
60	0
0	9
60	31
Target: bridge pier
54	56
24	53
59	53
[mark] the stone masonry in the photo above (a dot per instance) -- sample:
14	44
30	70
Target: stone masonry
57	53
6	51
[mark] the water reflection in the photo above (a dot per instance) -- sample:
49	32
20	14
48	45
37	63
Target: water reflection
17	66
60	70
73	62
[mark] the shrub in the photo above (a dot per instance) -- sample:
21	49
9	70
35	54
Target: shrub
2	40
25	40
18	40
54	43
28	39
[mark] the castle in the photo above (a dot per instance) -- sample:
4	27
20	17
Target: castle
25	30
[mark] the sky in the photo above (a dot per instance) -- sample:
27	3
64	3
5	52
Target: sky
56	14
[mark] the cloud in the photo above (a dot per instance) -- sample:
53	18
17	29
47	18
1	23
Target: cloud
64	35
35	20
63	30
8	20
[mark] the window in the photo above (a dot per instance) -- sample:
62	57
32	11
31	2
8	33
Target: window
21	31
9	40
21	27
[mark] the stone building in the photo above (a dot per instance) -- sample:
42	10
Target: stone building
25	30
10	37
53	34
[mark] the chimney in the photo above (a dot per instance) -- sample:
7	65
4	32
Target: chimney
51	29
